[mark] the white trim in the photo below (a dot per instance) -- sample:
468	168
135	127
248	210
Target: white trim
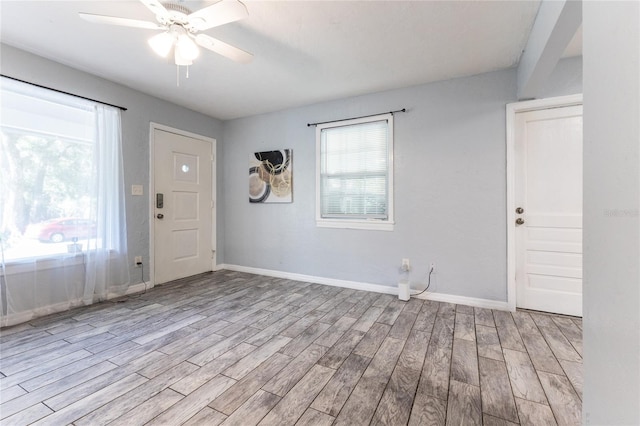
463	300
219	267
21	317
136	288
48	261
156	126
378	225
377	288
41	263
152	196
511	111
355	285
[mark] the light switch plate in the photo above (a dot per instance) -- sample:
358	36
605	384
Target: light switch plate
137	190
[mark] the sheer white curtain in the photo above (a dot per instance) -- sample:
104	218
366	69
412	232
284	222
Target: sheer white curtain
106	267
62	215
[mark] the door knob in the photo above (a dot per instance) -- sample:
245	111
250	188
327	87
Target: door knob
160	216
519	210
519	221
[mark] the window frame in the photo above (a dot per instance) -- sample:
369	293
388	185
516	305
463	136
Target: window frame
60	101
357	223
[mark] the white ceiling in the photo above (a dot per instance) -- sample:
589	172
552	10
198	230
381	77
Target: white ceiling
304	51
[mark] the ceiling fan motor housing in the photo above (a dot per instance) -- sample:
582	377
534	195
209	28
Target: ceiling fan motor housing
178	14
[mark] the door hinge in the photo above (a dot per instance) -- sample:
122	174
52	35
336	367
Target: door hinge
213	252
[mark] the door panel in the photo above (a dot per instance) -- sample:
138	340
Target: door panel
183	239
548	186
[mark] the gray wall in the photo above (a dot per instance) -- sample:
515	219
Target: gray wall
142	109
449	189
566	78
611	213
449	180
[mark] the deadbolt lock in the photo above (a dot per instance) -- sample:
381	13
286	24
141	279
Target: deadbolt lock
519	210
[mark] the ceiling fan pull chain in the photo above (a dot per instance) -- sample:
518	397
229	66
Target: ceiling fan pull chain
187	71
177	75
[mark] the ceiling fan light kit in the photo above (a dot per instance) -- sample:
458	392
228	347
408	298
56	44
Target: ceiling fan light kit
162	43
180	29
186	48
183	55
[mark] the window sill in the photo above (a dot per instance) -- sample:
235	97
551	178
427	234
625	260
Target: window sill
40	263
44	262
372	225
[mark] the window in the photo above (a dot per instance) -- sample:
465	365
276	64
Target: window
61	202
52	196
355	173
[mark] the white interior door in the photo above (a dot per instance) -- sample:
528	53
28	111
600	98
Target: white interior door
183	206
548	228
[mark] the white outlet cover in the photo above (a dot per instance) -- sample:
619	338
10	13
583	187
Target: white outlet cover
137	190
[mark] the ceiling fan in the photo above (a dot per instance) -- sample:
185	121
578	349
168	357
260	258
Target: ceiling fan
181	28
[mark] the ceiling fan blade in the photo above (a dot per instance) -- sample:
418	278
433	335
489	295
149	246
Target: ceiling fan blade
220	13
223	48
160	12
114	20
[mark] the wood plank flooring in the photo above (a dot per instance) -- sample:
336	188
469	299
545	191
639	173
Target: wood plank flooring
237	349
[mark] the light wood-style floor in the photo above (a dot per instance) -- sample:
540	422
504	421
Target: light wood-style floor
238	349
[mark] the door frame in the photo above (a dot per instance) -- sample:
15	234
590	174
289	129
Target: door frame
152	128
512	110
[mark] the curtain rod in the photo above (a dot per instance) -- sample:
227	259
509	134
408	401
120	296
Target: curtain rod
63	92
355	118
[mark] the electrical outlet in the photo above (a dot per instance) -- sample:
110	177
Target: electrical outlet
137	260
406	265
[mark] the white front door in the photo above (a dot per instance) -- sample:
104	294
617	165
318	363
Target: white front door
183	205
548	210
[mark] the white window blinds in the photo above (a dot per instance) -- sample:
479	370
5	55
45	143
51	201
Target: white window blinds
355	170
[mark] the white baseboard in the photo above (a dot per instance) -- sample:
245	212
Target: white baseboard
355	285
136	288
438	297
18	318
13	319
218	267
463	300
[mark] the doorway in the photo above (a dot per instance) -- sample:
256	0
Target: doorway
182	193
544	205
